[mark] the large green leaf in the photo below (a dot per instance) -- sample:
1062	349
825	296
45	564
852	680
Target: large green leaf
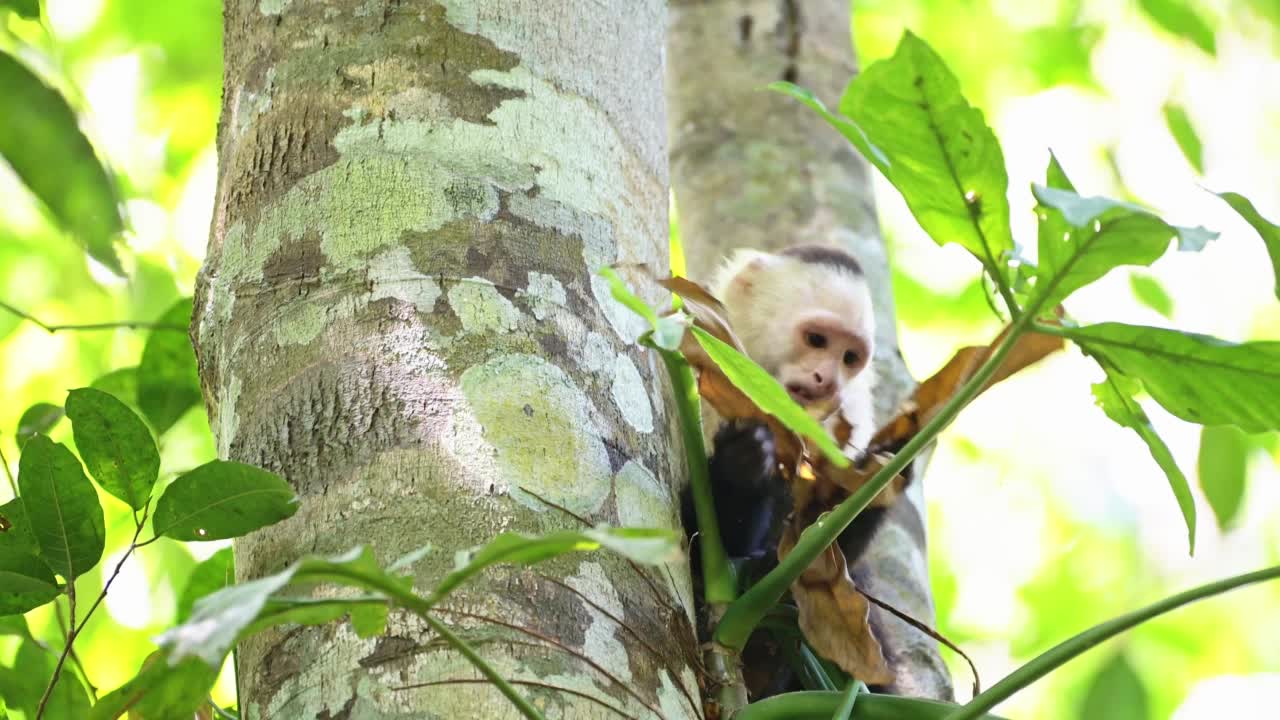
1223	468
215	573
25	8
937	149
1116	397
1199	378
1184	133
168	383
39	418
159	690
1084	238
1116	693
62	506
41	139
223	499
25	581
1267	230
1181	19
768	394
650	546
115	444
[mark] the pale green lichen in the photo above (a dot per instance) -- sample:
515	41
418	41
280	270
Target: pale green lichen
630	395
542	431
671	701
642	501
546	294
394	275
228	419
273	7
481	308
597	353
302	323
601	641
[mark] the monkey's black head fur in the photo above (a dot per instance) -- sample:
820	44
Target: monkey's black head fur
824	255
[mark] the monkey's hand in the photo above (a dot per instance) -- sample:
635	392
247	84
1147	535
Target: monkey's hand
751	499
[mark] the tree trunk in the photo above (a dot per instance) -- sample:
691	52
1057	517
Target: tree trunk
755	169
399	313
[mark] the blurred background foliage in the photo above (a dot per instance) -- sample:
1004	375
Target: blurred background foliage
1043	517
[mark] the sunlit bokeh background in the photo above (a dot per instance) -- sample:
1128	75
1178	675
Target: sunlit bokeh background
1044	518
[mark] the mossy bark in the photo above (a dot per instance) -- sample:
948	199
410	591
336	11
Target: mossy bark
399	314
751	168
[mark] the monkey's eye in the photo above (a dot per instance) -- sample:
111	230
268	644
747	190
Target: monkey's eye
815	340
850	358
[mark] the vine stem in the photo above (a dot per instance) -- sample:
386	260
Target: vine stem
742	616
1061	653
13	484
88	327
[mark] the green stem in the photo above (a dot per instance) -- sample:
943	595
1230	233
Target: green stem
845	710
718	582
1061	653
13	484
743	615
820	705
421	608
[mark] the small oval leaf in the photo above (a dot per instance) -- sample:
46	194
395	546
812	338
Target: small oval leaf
168	384
1223	469
62	506
39	418
115	445
223	499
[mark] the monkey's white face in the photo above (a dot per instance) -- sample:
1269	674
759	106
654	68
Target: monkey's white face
810	326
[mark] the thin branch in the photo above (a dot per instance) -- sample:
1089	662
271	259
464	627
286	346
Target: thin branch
88	327
75	657
529	683
917	624
13	484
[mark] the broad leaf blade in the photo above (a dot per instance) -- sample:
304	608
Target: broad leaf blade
1223	470
215	573
62	506
223	499
168	384
638	544
939	152
1199	378
1267	230
26	582
1116	397
765	391
41	140
159	690
115	444
846	127
39	418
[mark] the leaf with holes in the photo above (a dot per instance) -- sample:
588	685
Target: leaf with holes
168	384
223	499
115	444
937	150
40	137
1084	238
62	507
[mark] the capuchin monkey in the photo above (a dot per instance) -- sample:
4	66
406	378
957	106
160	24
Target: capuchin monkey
804	315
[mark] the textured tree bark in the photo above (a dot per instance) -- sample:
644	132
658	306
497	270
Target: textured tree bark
399	313
755	169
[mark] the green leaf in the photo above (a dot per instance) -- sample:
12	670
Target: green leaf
115	444
223	499
666	331
1184	133
1084	238
369	620
168	383
1267	230
26	583
846	127
1116	397
34	668
16	626
1181	19
160	689
1200	379
1223	469
219	619
650	546
1151	293
1116	693
41	139
26	8
768	394
39	418
18	536
121	383
1055	177
937	149
62	506
215	573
